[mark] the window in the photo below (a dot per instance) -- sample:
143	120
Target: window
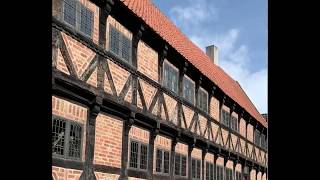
119	44
229	174
86	20
69	12
203	99
225	118
195	168
219	172
66	138
170	79
263	141
138	155
188	90
234	123
162	161
257	137
209	171
180	165
78	16
238	175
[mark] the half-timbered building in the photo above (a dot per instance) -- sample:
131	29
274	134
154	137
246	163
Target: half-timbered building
134	98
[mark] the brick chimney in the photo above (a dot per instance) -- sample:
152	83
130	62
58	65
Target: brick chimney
212	52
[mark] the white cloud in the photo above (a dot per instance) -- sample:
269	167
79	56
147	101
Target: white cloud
193	14
234	57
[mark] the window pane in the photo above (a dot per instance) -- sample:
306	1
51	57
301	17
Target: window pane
207	171
170	79
134	154
75	140
69	13
211	172
114	40
58	136
198	169
177	164
188	90
126	48
184	166
203	104
193	168
158	160
166	161
143	156
86	22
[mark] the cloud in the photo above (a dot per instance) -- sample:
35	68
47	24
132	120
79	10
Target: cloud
193	14
234	56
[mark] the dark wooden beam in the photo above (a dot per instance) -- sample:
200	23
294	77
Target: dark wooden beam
191	145
204	152
94	110
172	156
137	34
152	137
127	124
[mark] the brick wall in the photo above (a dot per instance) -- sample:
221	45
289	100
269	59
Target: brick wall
242	127
203	125
188	113
106	176
253	174
139	134
182	149
59	173
250	133
196	153
209	157
172	109
214	108
119	76
229	164
147	61
108	140
148	93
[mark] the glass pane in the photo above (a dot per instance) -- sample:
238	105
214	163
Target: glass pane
114	40
86	22
193	168
211	172
177	164
69	12
158	160
184	166
134	154
143	156
198	169
166	161
58	136
126	48
75	140
207	171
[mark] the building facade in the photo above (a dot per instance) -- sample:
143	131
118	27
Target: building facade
133	98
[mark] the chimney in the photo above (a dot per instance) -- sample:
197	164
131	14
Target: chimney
212	52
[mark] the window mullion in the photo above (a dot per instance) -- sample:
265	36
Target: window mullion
139	155
66	142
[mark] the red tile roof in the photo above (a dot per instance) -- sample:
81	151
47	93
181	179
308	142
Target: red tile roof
154	18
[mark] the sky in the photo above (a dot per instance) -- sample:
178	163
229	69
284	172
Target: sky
238	28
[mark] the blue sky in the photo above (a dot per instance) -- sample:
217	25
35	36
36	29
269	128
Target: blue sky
238	28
